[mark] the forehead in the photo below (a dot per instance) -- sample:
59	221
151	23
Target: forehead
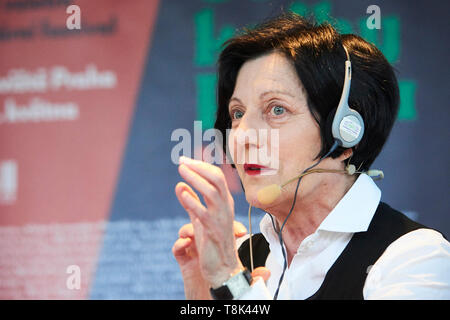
270	71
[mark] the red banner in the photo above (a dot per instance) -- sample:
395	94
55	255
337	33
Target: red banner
66	100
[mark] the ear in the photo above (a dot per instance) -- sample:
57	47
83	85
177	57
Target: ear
346	154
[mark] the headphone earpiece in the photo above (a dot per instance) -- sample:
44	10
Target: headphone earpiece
348	125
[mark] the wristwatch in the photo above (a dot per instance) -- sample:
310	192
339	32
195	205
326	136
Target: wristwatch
234	287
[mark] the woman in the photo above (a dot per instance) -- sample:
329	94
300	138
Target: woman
329	237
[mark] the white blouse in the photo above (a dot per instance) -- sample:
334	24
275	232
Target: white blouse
415	266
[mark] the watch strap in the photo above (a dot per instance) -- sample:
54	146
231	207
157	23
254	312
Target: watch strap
224	293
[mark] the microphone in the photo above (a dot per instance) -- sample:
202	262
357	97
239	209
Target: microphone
270	193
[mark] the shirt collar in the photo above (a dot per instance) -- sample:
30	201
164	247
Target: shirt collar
353	212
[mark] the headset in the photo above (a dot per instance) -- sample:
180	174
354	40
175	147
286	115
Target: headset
348	125
347	130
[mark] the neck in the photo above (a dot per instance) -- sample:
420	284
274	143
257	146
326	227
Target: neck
310	208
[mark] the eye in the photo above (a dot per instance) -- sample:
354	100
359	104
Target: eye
236	114
277	110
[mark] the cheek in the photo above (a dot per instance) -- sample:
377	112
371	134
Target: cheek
299	143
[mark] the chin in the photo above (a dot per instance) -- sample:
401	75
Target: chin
250	196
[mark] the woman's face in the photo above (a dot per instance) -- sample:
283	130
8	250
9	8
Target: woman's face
269	96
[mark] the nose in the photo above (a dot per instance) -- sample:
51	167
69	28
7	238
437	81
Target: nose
246	134
247	141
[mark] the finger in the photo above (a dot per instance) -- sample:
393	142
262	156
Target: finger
213	174
179	190
186	231
239	229
182	186
208	191
194	208
180	246
262	272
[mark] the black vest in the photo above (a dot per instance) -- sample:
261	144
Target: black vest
346	277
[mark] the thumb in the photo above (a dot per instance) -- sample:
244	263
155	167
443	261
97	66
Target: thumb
239	229
262	272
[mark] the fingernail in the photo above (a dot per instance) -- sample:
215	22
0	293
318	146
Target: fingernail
241	229
184	159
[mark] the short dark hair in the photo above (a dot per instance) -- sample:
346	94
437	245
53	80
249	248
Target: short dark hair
318	56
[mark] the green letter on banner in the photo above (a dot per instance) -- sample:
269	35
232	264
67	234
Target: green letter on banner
206	46
407	109
390	34
206	99
321	13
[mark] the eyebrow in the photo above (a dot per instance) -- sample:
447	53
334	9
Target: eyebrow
262	95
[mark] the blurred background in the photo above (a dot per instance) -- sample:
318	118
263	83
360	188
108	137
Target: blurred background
87	111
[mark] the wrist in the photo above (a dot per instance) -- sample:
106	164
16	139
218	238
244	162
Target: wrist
234	287
222	277
226	273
